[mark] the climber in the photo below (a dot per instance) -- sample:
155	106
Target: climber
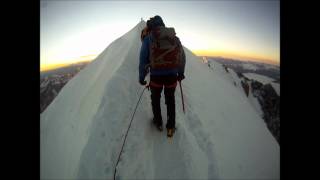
163	56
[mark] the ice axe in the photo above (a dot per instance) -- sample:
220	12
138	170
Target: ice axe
182	97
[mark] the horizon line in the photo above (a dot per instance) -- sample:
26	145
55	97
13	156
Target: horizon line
61	65
244	59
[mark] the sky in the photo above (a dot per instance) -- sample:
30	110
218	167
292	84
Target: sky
78	30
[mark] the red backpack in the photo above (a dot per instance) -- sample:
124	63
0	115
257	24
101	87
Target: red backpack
165	49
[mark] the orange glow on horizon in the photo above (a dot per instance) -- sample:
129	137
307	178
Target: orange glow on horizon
51	67
226	54
236	55
85	58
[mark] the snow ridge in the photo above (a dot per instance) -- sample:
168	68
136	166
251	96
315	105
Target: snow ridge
221	135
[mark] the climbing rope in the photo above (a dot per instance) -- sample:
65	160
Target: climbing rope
125	138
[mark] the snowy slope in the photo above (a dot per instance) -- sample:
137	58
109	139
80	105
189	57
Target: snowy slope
253	100
221	136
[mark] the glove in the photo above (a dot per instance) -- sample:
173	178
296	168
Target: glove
180	77
142	82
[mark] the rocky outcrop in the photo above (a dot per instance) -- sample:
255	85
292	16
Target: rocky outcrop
244	83
245	87
270	105
48	92
269	101
226	68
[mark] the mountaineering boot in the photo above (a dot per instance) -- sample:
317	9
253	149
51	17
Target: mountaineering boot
170	132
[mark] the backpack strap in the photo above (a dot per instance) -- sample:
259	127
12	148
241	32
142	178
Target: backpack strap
165	53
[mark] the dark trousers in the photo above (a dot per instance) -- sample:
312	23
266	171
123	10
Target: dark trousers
168	83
